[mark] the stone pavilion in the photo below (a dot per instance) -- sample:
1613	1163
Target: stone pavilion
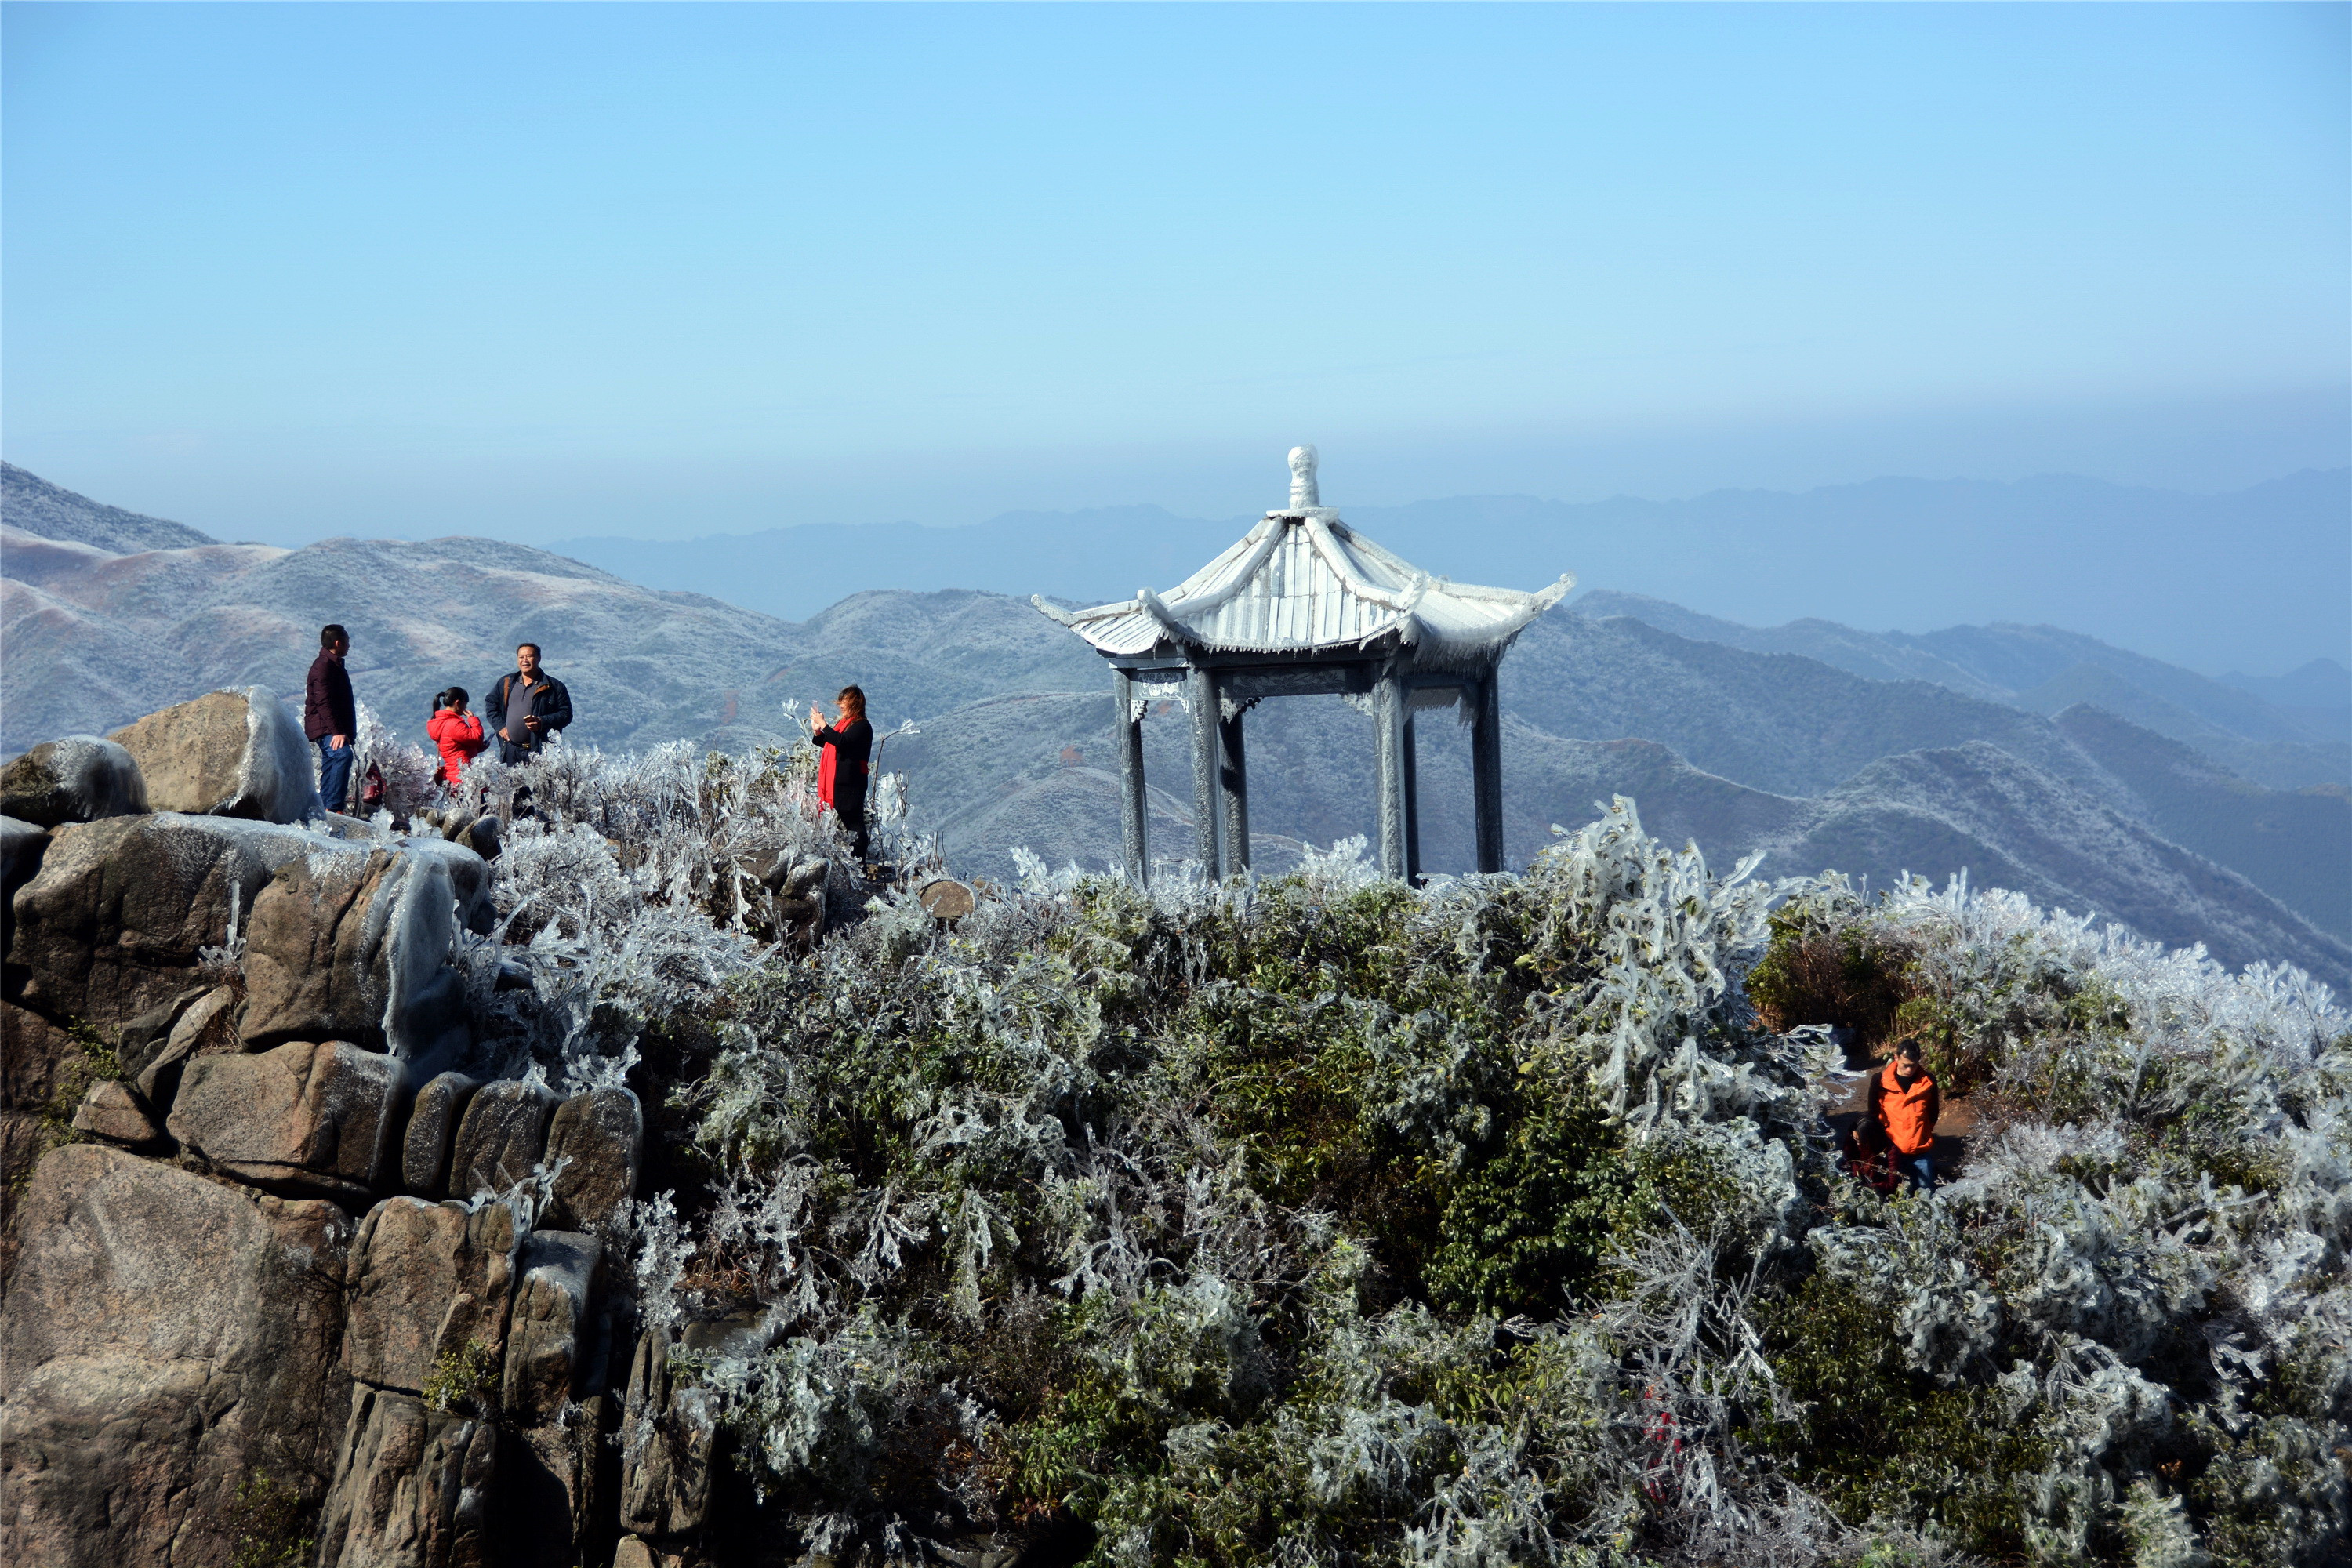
1302	605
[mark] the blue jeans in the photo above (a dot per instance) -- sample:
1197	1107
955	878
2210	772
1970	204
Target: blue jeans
1919	1170
335	772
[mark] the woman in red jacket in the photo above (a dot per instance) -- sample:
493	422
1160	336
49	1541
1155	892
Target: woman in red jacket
457	732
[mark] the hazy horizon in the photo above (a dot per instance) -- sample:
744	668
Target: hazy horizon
2057	550
542	272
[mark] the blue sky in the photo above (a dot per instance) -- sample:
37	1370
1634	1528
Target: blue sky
288	271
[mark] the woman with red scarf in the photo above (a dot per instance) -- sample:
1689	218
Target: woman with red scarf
848	746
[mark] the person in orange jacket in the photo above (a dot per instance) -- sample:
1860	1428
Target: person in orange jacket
1904	1103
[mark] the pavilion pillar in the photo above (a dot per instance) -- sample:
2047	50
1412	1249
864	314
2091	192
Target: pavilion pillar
1233	777
1412	759
1133	821
1200	697
1486	766
1387	742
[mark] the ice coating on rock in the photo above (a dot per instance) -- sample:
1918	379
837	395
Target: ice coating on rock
278	784
76	778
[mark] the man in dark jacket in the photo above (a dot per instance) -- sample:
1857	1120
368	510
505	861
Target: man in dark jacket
331	716
526	707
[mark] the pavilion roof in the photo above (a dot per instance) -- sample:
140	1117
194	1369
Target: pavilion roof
1301	580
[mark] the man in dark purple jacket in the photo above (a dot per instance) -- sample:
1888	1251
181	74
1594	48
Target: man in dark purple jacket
331	716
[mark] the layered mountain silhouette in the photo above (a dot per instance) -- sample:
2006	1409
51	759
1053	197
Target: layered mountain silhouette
2201	580
2087	776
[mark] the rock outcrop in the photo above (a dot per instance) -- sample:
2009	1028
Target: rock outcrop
233	752
414	1487
549	1321
77	779
354	942
113	1113
303	1117
210	1024
432	1129
44	1073
155	1069
594	1142
113	924
501	1139
166	1339
793	887
219	1042
667	1435
22	844
429	1289
459	1315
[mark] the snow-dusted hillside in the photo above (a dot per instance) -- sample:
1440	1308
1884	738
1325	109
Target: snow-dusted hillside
1737	748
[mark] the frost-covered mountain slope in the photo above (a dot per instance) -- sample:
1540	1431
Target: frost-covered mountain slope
2045	669
2280	764
94	640
2295	844
1778	722
924	654
2321	684
32	504
1871	655
1735	749
2024	658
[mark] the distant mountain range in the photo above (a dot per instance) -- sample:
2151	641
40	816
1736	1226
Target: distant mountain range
33	504
2189	808
2045	670
2254	578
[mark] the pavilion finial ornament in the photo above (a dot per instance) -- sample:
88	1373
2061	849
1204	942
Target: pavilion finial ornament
1303	494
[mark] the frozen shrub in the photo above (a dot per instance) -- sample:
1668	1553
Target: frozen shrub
2142	1258
1319	1219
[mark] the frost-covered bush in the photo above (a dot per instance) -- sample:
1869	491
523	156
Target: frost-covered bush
2139	1283
629	889
406	768
1318	1219
1322	1219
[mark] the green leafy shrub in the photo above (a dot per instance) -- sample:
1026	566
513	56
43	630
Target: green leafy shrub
461	1380
1825	969
268	1523
1526	1227
1877	1440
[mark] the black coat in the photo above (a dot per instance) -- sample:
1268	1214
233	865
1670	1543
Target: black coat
853	749
510	703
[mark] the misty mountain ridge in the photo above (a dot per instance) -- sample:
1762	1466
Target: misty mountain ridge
2248	579
32	504
1917	762
2045	670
